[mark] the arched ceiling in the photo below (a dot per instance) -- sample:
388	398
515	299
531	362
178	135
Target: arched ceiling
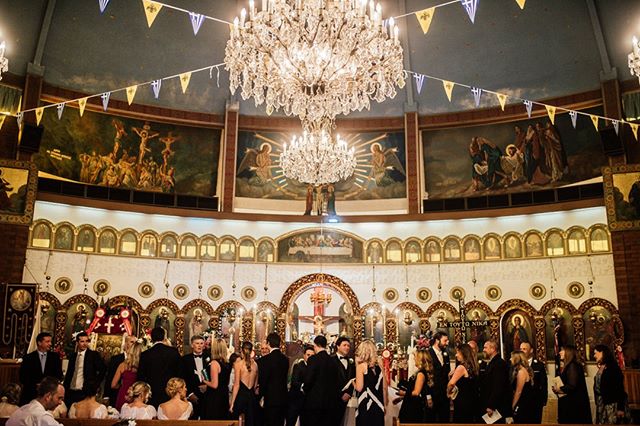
548	49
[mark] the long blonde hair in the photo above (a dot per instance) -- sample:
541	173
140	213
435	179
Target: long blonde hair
424	362
219	350
133	356
519	360
367	352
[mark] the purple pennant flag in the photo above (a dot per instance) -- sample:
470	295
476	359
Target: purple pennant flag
155	85
470	6
196	21
60	108
616	125
529	106
105	100
574	118
19	117
419	81
477	93
103	5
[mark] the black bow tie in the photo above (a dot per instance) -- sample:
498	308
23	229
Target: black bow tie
197	356
341	357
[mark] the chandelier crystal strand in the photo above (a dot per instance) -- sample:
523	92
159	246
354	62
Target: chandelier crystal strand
634	58
314	58
4	62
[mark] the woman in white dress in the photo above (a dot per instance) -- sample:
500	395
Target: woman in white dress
136	406
177	408
89	408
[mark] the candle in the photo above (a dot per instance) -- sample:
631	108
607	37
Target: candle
395	33
243	16
636	46
251	10
264	5
371	9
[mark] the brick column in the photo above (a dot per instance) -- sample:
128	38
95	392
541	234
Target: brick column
412	139
229	168
13	252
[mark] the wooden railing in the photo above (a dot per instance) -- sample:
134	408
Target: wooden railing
632	386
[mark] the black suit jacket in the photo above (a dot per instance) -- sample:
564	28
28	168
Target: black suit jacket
114	362
93	369
612	387
540	382
157	365
272	378
495	387
187	368
31	373
297	378
440	376
321	382
346	374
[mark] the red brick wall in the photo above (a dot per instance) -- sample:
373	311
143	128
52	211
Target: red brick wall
13	249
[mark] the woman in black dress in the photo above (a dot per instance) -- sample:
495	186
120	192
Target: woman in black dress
523	404
417	405
465	380
608	388
371	386
573	399
243	396
216	398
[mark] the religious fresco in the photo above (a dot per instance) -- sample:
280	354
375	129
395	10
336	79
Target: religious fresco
121	152
374	319
79	317
408	327
162	316
517	327
558	332
600	328
622	196
509	157
320	246
18	185
196	323
265	323
478	329
380	174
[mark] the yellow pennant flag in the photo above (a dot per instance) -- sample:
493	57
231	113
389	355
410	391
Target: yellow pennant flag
151	10
131	93
2	118
551	110
634	129
594	120
424	18
502	98
521	3
185	78
448	88
82	103
39	112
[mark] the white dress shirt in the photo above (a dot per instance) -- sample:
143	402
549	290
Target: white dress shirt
77	381
438	353
32	414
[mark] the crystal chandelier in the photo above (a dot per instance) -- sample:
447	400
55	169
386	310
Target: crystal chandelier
314	58
317	158
4	62
634	58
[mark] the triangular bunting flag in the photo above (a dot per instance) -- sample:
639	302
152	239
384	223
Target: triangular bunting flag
156	85
151	10
616	125
103	5
131	93
82	103
502	98
424	18
2	118
448	88
19	118
477	93
419	81
196	21
105	100
529	106
574	118
594	120
551	111
185	78
634	129
39	111
470	6
60	108
521	3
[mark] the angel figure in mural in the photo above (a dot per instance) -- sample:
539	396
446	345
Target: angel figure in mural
384	161
145	136
513	164
259	162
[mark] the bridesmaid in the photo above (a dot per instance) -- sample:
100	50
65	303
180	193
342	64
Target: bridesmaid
465	380
573	399
216	398
371	386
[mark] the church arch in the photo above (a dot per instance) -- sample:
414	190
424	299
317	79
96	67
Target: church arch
198	303
307	281
126	301
411	307
558	303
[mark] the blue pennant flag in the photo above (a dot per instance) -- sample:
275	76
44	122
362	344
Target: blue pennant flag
19	117
574	118
470	6
105	100
419	81
196	21
155	85
616	125
60	108
477	93
103	5
529	106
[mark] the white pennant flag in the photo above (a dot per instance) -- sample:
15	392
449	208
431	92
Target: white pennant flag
105	100
529	106
574	118
196	21
470	6
60	108
477	93
419	81
103	5
616	125
19	118
156	85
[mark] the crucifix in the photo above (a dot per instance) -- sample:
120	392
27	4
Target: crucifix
319	299
109	325
319	320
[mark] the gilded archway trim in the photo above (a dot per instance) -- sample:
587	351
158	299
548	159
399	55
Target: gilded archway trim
441	305
198	303
165	303
52	299
557	303
127	301
305	282
512	304
596	301
220	310
80	298
411	307
476	304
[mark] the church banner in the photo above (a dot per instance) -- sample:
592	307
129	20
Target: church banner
121	152
511	157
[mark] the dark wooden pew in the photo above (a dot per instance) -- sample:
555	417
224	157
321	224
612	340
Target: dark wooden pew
111	422
396	422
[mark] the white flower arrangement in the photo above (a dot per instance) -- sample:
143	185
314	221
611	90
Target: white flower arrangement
132	422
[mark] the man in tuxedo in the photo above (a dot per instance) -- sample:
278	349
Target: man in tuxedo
114	362
84	365
272	380
157	365
539	380
37	365
495	387
296	396
320	387
191	366
441	370
347	369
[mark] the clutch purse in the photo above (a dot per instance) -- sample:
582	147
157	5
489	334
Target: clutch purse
454	393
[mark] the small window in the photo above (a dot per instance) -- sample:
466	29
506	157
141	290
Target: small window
168	246
599	240
265	251
228	249
246	251
555	244
148	245
413	252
